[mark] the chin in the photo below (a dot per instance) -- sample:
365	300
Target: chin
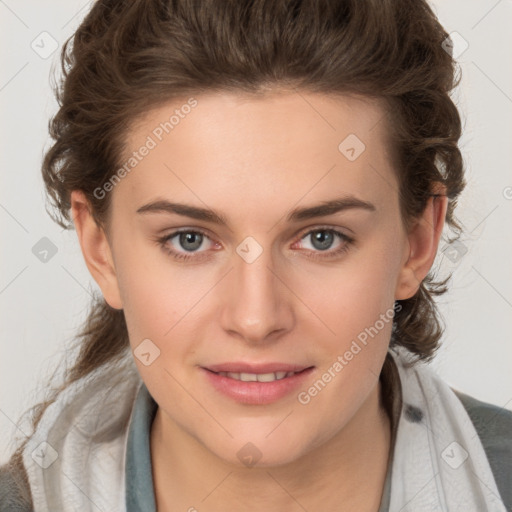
259	451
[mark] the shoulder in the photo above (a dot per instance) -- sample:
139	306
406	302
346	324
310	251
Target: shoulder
494	427
491	421
14	494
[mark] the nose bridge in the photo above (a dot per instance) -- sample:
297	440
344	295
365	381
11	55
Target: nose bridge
257	297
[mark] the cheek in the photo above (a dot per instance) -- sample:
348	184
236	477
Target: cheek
356	291
162	303
355	306
151	299
149	283
354	303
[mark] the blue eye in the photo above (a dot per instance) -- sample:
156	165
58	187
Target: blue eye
322	239
192	240
322	243
188	239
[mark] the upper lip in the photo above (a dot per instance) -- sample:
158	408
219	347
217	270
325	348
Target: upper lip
241	367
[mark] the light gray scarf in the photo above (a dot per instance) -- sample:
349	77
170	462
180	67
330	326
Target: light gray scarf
76	459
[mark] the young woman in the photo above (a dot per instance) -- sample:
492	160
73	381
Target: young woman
259	189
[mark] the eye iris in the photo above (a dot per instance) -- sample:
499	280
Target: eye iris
324	237
189	237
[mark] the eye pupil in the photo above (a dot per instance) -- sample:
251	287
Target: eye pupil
324	237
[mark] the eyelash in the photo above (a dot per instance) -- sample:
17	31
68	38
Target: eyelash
317	255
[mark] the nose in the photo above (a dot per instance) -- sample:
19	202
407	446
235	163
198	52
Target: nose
257	303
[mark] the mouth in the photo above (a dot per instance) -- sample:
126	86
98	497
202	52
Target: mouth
256	387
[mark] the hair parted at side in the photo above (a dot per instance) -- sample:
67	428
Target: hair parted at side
129	56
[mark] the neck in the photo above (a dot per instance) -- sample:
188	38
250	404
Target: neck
347	472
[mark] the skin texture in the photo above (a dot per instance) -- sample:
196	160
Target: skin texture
254	160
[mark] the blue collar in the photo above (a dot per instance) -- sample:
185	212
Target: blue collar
138	471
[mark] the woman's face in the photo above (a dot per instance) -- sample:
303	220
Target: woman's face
274	283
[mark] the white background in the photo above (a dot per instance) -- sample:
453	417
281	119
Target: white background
43	304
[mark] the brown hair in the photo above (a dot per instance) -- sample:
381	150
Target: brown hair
128	56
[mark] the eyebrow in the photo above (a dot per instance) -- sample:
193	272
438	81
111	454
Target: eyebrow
205	214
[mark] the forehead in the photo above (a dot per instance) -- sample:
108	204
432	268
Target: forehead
282	144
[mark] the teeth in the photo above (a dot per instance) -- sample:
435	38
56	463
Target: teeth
267	377
249	377
257	377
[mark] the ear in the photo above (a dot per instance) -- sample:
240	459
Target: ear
423	241
96	249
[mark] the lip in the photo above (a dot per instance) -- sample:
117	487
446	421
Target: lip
257	393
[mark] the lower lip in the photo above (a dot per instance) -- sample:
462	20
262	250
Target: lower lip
257	393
